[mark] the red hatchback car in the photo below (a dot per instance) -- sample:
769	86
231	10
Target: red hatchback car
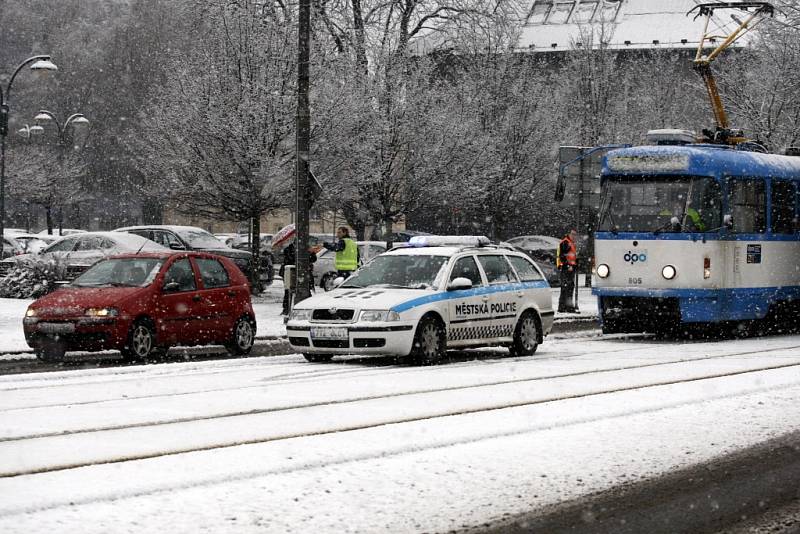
141	304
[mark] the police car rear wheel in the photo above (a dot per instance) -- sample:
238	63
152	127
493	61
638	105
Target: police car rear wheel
526	336
430	343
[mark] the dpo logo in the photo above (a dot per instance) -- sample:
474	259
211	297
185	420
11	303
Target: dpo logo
633	257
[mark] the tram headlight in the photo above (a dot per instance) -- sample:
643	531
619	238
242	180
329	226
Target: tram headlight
603	270
668	272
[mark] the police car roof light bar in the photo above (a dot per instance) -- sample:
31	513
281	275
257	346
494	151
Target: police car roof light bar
449	240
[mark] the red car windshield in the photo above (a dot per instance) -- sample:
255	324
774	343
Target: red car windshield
128	272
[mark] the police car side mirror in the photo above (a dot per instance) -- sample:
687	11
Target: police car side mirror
338	281
459	283
727	220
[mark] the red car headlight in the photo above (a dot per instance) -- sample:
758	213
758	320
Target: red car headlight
101	312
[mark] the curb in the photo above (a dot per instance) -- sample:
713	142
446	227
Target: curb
561	325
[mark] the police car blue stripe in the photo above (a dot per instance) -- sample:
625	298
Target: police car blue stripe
483	290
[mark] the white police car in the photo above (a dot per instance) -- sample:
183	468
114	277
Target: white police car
437	293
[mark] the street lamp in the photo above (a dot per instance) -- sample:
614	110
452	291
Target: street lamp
39	65
77	121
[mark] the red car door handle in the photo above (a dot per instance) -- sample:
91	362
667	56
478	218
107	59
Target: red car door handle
231	293
197	298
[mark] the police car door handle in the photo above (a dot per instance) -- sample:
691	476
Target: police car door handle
521	294
485	298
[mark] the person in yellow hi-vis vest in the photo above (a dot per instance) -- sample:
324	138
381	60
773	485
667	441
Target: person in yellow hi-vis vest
346	260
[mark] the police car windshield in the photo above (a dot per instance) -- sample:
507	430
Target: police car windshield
653	203
413	271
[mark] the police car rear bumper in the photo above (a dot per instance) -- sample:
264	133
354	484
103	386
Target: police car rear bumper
361	338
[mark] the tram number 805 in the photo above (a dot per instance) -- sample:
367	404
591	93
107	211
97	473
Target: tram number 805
635	281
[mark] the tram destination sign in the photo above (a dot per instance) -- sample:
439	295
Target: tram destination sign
649	163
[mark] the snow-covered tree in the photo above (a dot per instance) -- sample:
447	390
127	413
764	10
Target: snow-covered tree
221	133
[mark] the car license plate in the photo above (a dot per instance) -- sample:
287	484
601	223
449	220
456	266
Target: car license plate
327	332
57	328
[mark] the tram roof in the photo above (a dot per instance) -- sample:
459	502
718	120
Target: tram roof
698	160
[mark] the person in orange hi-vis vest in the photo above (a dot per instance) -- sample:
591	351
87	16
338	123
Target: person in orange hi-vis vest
567	263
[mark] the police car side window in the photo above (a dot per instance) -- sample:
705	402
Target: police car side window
467	268
526	271
497	269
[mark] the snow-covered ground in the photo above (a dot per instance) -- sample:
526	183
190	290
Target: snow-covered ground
278	444
267	307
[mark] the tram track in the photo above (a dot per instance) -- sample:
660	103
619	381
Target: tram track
273	346
456	360
317	373
356	426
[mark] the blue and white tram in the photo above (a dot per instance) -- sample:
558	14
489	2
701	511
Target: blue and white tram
697	234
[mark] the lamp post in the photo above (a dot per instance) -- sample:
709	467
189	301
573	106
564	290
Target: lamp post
39	64
76	120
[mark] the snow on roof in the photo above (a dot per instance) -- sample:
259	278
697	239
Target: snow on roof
555	25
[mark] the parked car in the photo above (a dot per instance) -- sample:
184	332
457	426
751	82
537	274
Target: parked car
141	304
11	247
76	253
324	271
63	232
34	243
265	253
194	239
402	236
535	242
227	238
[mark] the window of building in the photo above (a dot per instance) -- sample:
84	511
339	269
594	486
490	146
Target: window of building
560	12
584	12
573	11
539	12
608	11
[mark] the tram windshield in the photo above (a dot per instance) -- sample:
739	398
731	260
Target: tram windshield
660	204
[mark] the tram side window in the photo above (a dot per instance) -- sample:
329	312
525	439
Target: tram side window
749	206
784	219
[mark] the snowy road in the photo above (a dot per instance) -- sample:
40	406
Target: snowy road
276	444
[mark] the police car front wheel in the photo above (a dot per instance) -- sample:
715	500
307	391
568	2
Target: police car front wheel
430	342
526	335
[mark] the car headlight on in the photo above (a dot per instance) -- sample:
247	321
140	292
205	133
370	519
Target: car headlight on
379	315
101	312
668	272
300	315
30	317
603	270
